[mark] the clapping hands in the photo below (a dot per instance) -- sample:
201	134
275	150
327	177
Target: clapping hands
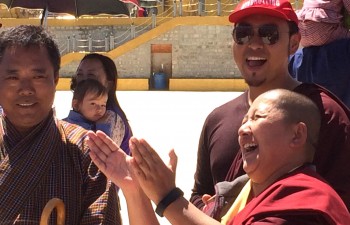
145	169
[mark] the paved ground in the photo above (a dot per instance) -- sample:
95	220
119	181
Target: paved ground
166	120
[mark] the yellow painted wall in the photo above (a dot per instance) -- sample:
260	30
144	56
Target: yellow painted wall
133	84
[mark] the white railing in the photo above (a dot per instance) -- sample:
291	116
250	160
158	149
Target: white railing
177	8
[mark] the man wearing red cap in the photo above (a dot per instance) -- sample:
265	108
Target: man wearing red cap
265	34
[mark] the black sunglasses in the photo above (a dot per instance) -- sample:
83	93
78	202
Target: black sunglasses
243	33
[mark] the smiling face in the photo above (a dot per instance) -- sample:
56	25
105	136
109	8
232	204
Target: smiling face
27	86
259	63
264	138
93	107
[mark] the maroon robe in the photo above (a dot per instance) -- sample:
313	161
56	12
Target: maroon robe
300	197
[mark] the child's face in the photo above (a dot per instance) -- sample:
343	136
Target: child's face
93	108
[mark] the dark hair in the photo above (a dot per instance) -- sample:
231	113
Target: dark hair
30	35
89	86
112	75
293	28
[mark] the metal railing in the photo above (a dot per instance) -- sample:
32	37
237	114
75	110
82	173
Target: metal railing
166	10
110	41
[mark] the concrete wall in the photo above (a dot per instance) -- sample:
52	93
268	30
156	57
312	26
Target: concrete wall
198	51
201	46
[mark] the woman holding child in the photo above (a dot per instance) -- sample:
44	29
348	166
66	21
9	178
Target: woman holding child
103	69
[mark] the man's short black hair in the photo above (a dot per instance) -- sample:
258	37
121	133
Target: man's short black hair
30	35
293	28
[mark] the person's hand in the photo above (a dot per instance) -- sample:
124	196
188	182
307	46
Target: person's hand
209	202
155	178
111	160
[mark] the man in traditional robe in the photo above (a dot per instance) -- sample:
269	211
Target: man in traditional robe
42	157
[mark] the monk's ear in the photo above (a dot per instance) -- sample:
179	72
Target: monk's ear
294	42
299	136
75	105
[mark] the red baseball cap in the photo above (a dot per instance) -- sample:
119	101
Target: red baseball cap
277	8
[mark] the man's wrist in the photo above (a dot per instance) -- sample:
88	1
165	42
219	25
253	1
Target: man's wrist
172	196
